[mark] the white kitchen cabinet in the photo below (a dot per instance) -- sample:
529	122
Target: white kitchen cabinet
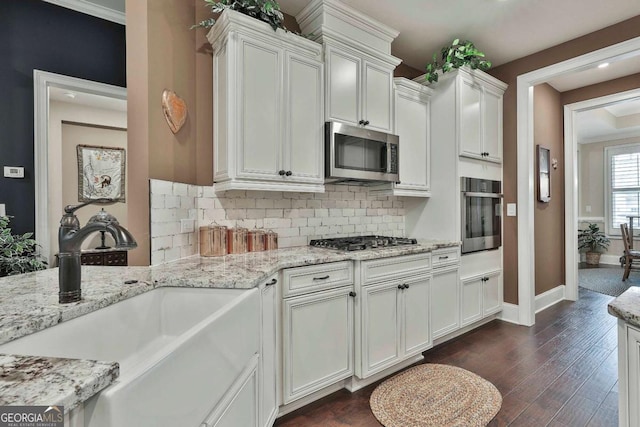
481	297
628	375
471	303
479	116
268	107
268	355
412	125
317	341
445	301
359	88
393	322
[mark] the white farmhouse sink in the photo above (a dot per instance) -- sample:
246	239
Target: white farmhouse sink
179	350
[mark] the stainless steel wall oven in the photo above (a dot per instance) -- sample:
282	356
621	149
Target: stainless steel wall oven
481	214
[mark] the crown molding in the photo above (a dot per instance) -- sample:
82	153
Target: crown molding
92	9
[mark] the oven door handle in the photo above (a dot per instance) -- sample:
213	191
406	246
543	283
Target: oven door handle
478	194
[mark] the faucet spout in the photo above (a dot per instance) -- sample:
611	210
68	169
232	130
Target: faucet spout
70	238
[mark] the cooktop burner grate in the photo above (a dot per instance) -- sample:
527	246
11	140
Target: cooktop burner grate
358	243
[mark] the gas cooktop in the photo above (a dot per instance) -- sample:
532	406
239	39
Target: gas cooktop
359	243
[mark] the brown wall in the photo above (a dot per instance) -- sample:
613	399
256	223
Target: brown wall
549	217
601	89
508	73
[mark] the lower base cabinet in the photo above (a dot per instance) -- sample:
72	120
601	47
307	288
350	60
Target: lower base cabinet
317	338
394	323
268	354
481	296
628	375
445	301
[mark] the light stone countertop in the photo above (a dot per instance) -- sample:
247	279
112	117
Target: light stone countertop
29	303
627	306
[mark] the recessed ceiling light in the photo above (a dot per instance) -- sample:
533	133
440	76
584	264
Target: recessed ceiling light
603	65
70	95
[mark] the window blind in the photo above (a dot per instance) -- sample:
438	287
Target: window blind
625	187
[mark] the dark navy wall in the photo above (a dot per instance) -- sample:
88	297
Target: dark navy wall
38	35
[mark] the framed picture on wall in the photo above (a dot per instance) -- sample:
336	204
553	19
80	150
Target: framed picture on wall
101	173
544	174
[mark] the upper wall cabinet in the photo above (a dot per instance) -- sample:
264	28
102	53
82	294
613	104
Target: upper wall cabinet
268	94
359	66
359	91
477	97
411	103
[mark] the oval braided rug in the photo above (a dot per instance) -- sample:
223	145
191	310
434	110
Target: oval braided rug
435	395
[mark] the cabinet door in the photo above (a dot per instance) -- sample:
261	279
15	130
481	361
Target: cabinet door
445	302
415	316
343	86
304	117
471	300
633	377
268	356
412	126
492	125
317	341
377	97
259	97
492	293
470	119
380	327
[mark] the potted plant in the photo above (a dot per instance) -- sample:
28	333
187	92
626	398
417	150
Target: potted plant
17	251
265	10
594	242
455	56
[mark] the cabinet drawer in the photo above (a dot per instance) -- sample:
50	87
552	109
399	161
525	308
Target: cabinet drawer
302	280
395	267
442	257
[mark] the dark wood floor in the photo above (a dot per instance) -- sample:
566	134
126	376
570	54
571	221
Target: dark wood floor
560	372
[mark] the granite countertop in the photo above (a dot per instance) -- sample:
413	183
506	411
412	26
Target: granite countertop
29	303
627	306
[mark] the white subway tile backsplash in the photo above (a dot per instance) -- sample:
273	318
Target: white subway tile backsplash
297	217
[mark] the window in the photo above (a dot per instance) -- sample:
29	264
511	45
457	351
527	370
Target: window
622	174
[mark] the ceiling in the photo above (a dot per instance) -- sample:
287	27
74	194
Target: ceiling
87	99
616	121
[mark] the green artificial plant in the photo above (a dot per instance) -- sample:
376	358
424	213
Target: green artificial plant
455	56
17	251
592	239
265	10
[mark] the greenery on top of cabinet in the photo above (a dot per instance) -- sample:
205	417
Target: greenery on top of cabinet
455	56
265	10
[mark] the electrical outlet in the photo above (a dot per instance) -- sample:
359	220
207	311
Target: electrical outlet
187	225
511	209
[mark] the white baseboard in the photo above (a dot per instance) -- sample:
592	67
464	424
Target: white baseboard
510	313
549	298
610	259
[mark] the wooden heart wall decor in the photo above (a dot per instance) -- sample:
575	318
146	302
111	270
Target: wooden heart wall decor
174	109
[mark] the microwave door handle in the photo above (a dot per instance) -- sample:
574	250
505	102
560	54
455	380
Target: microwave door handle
388	158
478	194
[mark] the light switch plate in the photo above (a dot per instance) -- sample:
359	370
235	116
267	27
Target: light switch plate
187	225
3	210
511	209
13	172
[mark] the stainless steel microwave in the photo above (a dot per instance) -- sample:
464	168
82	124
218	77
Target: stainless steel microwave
357	154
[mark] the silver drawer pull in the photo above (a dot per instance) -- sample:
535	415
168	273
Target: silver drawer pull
444	257
322	278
